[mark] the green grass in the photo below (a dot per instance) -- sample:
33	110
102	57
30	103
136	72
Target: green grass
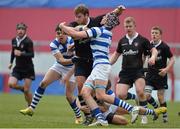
54	112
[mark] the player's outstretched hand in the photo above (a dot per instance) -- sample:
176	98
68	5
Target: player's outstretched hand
119	9
61	24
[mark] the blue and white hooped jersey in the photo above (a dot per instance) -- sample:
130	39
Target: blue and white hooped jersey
57	46
101	39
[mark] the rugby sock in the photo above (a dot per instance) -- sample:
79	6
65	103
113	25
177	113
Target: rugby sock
76	109
164	105
81	100
98	114
165	115
123	104
130	96
143	104
37	96
83	103
152	102
22	90
99	102
149	112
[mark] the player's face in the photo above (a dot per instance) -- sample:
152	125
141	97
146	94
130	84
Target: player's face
20	32
155	35
129	28
81	19
61	37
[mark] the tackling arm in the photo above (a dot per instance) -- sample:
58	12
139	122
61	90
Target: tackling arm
72	32
114	57
59	57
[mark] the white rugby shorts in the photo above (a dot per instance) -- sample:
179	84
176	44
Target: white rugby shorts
62	70
100	72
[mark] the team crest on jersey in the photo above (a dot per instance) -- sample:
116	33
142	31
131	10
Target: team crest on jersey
136	44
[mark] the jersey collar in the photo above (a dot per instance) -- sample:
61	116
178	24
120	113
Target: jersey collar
19	40
131	39
157	44
88	21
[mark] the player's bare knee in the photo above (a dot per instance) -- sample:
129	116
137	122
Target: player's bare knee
100	96
80	85
160	98
122	96
69	98
148	96
85	93
140	93
11	85
26	91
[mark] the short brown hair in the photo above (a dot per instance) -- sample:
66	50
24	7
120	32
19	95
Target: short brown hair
157	28
21	25
81	8
129	19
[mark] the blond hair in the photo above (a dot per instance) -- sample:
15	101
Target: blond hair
129	20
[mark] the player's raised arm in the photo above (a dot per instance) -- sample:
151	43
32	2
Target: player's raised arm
118	11
72	32
114	57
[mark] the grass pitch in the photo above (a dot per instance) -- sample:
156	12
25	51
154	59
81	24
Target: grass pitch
54	112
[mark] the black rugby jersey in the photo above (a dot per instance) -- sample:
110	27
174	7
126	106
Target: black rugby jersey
82	47
26	47
132	53
164	53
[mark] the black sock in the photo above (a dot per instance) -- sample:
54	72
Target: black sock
164	105
152	102
83	103
22	90
130	96
143	104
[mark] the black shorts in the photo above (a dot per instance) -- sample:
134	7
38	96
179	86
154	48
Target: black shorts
22	73
130	76
83	68
156	81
